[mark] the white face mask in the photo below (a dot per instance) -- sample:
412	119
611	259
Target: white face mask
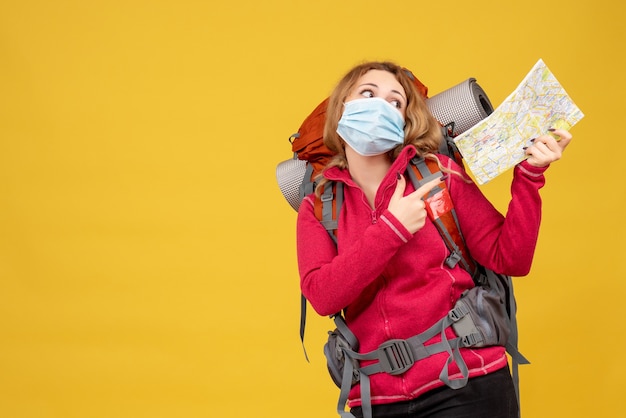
371	126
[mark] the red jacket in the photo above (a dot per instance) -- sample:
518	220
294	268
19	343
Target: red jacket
394	284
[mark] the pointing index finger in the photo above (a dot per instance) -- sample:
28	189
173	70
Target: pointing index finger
424	189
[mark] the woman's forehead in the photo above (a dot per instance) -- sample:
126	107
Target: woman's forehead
380	78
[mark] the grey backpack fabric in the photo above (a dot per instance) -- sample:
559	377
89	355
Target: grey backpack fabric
486	321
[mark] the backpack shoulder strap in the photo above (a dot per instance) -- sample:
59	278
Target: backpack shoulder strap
441	211
328	206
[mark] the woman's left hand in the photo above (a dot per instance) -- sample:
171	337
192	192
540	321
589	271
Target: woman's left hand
546	149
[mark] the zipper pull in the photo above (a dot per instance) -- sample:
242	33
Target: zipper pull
374	217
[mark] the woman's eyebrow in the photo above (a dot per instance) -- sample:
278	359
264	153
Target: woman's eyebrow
400	94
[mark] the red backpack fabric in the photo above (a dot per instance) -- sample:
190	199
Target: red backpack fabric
308	143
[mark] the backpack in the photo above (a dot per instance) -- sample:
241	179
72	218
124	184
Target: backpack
457	109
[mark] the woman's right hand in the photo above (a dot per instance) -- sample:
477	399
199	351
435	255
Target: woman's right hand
410	210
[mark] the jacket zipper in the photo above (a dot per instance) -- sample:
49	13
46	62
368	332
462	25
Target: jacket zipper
374	213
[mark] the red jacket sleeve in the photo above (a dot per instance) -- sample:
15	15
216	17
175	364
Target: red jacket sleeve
503	244
331	282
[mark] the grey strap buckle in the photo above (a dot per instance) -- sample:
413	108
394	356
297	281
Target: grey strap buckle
471	339
458	312
453	259
395	356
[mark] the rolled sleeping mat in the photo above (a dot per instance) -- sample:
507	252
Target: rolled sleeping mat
290	174
465	105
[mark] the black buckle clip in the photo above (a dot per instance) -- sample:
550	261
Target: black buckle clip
395	356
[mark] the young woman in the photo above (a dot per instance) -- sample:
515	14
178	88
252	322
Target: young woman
387	269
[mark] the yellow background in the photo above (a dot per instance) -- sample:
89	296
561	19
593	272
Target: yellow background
147	257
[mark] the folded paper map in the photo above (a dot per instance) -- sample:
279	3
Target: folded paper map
496	143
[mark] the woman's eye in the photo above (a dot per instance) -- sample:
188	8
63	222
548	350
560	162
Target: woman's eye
396	103
367	93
